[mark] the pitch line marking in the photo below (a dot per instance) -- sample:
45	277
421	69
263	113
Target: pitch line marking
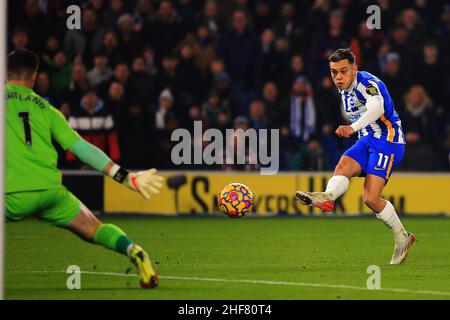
280	283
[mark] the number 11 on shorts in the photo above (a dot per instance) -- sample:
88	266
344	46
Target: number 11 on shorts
382	162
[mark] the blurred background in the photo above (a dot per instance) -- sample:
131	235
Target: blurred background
138	69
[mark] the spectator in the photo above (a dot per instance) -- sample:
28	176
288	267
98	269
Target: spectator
122	76
353	12
288	27
211	18
65	110
327	100
418	114
273	60
331	144
79	83
60	72
276	109
143	13
98	6
322	46
431	71
191	77
365	46
194	113
141	83
387	12
393	77
300	124
136	139
166	29
296	69
149	60
86	41
312	157
258	115
399	41
42	86
165	123
101	72
94	122
204	47
19	39
221	83
116	102
241	52
263	15
187	10
442	30
164	111
317	18
240	123
110	47
114	11
419	156
52	46
168	76
412	22
130	41
36	24
223	120
213	108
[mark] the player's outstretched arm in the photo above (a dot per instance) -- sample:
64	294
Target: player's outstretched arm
375	109
145	182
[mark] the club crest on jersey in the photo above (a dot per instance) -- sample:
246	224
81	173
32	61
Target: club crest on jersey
351	102
372	90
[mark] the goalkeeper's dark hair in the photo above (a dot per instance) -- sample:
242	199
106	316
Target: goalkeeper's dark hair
342	54
22	63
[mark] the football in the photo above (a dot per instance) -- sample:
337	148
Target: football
235	200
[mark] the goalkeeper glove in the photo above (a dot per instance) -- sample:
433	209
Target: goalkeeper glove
144	182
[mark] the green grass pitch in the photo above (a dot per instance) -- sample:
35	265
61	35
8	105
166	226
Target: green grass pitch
221	258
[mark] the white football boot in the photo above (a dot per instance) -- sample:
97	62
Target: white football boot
320	200
401	249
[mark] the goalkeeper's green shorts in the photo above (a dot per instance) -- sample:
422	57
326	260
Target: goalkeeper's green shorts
57	206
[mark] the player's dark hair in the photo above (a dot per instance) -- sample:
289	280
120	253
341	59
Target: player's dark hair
22	63
342	54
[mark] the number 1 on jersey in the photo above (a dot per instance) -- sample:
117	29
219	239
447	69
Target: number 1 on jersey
26	126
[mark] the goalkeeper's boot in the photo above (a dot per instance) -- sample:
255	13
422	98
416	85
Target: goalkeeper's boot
320	200
147	275
401	249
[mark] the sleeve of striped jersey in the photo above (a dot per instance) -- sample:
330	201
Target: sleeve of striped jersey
375	110
61	130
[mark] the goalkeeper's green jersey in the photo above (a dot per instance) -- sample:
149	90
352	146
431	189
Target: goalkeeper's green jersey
32	123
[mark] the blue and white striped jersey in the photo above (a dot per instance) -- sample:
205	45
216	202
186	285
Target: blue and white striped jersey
388	127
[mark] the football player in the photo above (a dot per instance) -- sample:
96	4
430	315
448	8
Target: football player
378	150
33	181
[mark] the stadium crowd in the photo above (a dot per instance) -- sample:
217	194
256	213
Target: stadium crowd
138	69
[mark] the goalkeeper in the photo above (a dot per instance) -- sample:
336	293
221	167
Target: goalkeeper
33	181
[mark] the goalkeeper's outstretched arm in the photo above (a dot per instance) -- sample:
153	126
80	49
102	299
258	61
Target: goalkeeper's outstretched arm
144	182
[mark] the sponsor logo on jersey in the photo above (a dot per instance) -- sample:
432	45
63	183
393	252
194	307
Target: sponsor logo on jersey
372	90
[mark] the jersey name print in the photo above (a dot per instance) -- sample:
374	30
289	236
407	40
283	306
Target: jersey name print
25	98
31	124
